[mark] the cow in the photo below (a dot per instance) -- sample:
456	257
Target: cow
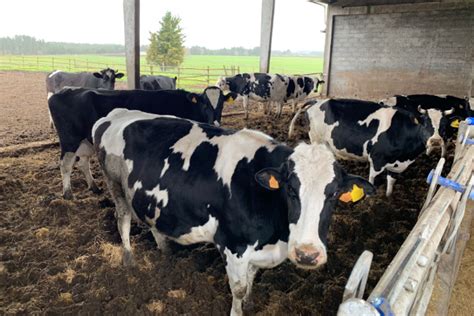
75	111
259	201
157	83
56	80
268	88
389	138
455	108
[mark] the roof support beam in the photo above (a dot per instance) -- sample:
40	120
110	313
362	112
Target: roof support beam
266	30
131	14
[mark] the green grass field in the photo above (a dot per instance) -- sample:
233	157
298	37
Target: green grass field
193	73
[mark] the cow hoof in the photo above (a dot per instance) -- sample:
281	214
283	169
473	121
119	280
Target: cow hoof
127	259
96	190
67	195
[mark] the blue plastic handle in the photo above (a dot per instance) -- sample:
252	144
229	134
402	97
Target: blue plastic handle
382	306
449	184
470	121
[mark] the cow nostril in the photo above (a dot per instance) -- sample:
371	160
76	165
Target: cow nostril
305	257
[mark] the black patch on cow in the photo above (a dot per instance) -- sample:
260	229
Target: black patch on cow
350	135
300	82
291	88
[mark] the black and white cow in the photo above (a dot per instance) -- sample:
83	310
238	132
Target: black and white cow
258	201
388	137
454	108
268	88
148	82
56	80
74	111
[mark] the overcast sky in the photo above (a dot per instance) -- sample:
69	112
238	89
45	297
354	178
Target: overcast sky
210	23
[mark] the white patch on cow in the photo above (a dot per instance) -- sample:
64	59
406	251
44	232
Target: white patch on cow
188	144
270	255
159	195
204	233
231	149
235	147
137	185
314	166
50	94
129	164
384	116
392	101
166	165
54	73
435	116
213	95
398	166
112	139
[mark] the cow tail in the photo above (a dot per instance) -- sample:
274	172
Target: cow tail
293	121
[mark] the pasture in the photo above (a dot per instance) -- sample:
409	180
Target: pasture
196	72
64	257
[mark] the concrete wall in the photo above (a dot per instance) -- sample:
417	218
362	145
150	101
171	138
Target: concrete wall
378	51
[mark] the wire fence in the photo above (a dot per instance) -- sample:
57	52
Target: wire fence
187	77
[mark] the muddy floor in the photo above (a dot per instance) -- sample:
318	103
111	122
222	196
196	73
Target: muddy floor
64	257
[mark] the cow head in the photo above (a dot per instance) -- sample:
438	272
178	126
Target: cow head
317	84
312	182
435	123
211	103
108	77
308	85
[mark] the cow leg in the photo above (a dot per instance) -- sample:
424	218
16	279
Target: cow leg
237	272
245	103
390	183
444	148
124	219
160	239
84	165
293	106
66	164
251	273
279	109
373	173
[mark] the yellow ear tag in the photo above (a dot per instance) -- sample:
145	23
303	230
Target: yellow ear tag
231	100
357	193
273	183
193	100
455	123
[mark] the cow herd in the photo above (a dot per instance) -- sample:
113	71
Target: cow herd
169	164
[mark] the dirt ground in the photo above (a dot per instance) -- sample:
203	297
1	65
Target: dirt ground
64	257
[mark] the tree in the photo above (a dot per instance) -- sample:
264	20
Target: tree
167	45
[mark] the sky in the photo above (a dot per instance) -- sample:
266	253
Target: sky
209	23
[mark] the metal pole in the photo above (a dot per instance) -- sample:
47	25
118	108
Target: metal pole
268	10
131	10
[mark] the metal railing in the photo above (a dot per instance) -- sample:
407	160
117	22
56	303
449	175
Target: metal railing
406	286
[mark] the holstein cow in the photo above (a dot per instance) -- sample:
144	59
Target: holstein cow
270	89
74	111
258	201
157	82
454	108
389	138
105	79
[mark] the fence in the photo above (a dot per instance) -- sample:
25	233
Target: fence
429	259
188	78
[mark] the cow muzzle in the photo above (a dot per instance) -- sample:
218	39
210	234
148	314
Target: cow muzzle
307	257
434	143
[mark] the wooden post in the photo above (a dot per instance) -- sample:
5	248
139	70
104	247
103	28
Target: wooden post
151	69
266	29
131	10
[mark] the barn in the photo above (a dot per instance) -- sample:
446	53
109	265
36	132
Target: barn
377	48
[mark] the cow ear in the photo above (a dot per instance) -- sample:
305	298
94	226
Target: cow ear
175	78
193	97
119	75
355	188
269	178
230	97
97	75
